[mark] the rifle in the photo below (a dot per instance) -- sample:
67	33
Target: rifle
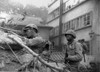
66	55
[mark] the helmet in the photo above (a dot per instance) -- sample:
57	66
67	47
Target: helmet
33	26
71	32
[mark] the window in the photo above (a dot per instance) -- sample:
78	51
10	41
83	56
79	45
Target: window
67	26
71	3
87	19
64	7
77	23
56	12
70	24
49	18
64	28
73	25
53	15
80	22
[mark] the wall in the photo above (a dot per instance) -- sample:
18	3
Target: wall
54	6
44	32
81	34
54	23
96	30
78	11
86	7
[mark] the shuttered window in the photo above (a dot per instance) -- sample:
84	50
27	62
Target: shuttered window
79	22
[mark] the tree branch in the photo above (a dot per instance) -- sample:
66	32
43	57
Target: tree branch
37	55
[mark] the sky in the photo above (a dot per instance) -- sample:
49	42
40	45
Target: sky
37	3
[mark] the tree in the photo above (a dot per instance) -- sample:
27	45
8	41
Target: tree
29	10
38	12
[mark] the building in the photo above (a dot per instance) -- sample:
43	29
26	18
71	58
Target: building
18	24
81	15
43	30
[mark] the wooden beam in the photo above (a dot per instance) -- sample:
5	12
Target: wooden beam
37	55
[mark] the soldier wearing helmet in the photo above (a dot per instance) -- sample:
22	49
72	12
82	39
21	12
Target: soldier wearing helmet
30	30
33	39
73	51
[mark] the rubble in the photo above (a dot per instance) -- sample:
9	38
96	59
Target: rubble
14	60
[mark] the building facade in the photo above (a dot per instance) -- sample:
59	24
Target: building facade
80	15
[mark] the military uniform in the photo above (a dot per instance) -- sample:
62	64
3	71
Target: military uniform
75	50
35	44
73	53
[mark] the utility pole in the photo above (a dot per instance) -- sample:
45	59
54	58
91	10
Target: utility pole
60	25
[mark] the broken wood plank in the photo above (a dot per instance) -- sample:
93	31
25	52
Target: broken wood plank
37	55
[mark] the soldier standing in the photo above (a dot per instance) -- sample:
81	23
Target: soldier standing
73	52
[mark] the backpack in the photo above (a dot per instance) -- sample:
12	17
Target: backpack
84	47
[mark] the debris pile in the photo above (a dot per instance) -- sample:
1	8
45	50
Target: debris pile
16	59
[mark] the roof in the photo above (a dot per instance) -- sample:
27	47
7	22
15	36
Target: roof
19	27
44	26
17	23
28	19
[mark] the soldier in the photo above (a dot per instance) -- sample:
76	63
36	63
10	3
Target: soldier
73	52
84	45
33	39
